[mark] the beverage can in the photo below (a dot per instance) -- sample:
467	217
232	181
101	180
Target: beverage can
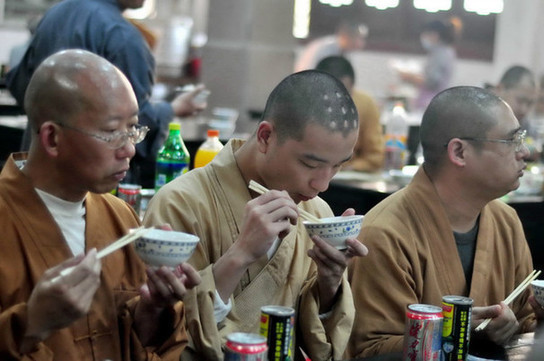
242	346
457	312
423	333
277	325
132	194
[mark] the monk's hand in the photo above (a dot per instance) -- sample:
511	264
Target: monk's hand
331	264
266	218
62	295
503	323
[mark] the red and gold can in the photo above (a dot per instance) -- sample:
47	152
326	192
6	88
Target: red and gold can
423	333
457	312
132	194
242	346
277	325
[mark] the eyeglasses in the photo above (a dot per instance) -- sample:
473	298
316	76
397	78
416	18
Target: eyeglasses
116	139
518	140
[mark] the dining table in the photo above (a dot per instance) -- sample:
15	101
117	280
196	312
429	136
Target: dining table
517	349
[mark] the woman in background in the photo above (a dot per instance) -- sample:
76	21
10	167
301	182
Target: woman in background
437	38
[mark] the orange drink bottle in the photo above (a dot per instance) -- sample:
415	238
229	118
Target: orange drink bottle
209	149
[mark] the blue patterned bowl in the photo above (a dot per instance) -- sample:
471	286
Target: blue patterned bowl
169	248
538	290
335	230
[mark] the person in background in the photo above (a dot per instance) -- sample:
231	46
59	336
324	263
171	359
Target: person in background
447	233
535	128
350	36
58	300
254	250
98	26
518	88
438	39
368	155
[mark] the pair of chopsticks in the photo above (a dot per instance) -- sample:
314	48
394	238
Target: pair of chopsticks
512	296
120	243
254	186
123	241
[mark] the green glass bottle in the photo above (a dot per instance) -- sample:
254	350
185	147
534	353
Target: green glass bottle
173	158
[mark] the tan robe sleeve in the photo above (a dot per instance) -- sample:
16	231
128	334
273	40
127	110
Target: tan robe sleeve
327	338
380	300
169	349
12	326
204	337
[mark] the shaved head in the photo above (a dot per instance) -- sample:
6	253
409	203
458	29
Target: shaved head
310	97
457	112
68	83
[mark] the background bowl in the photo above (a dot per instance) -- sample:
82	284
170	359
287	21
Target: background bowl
538	290
335	230
169	248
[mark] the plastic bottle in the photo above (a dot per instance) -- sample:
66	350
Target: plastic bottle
396	131
209	149
173	158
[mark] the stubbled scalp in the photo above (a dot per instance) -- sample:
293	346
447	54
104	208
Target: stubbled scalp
463	111
310	97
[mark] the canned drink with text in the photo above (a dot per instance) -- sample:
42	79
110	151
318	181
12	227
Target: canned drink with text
457	312
132	194
242	346
423	333
277	325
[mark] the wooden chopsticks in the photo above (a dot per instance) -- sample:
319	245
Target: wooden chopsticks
254	186
121	242
512	296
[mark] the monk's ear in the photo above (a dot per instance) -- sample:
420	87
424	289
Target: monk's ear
48	136
457	151
265	135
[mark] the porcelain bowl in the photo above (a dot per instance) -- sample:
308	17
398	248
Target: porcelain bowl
169	248
335	230
538	290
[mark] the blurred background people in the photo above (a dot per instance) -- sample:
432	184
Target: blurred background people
98	26
518	88
368	154
349	36
437	38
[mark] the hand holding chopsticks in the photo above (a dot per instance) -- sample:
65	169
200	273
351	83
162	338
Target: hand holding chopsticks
522	286
254	186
